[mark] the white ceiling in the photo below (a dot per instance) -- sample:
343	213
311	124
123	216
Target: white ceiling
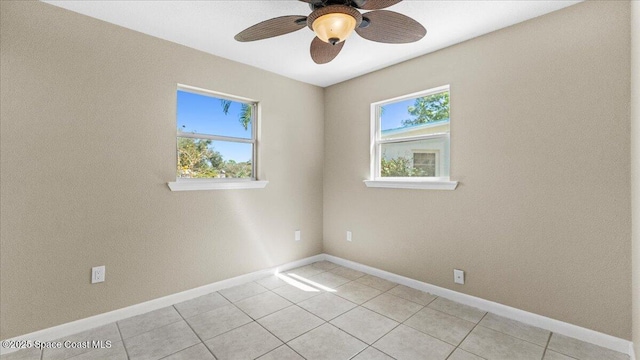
211	25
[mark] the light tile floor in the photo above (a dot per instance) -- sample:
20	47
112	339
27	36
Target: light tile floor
323	311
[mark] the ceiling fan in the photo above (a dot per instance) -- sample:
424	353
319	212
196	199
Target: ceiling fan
334	20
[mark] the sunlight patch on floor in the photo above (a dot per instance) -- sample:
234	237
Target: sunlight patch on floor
312	283
298	284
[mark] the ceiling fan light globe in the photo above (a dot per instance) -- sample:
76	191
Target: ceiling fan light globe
334	26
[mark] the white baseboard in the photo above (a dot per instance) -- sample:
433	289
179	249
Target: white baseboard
560	327
556	326
77	326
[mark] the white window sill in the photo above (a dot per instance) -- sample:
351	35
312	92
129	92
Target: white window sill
203	184
408	184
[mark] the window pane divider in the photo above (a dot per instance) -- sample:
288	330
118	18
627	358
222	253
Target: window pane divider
214	137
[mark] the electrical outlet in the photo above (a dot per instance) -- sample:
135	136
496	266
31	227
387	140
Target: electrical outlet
297	235
458	276
348	235
97	274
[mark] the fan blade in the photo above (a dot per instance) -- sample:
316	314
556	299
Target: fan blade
322	52
272	27
391	27
378	4
314	2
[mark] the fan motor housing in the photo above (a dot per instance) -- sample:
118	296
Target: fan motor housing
316	4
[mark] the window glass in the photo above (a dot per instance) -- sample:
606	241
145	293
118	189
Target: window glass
201	114
412	137
215	137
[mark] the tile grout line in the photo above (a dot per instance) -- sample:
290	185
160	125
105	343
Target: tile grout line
248	297
222	333
342	313
360	352
303	309
361	305
387	333
234	305
292	349
362	340
455	347
371	346
525	340
544	353
466	336
456	316
327	321
287	343
290	340
515	337
256	321
188	347
547	348
293	304
399	322
478	324
122	339
192	330
373	311
486	327
155	328
335	317
324	321
323	271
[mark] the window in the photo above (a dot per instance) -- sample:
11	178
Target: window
425	162
411	140
216	140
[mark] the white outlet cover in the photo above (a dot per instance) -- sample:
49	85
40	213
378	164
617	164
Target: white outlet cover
458	276
297	235
98	274
348	235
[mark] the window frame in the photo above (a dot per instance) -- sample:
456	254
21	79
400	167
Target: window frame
182	184
376	180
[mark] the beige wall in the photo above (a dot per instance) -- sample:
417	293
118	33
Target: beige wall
540	220
540	145
635	167
87	147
